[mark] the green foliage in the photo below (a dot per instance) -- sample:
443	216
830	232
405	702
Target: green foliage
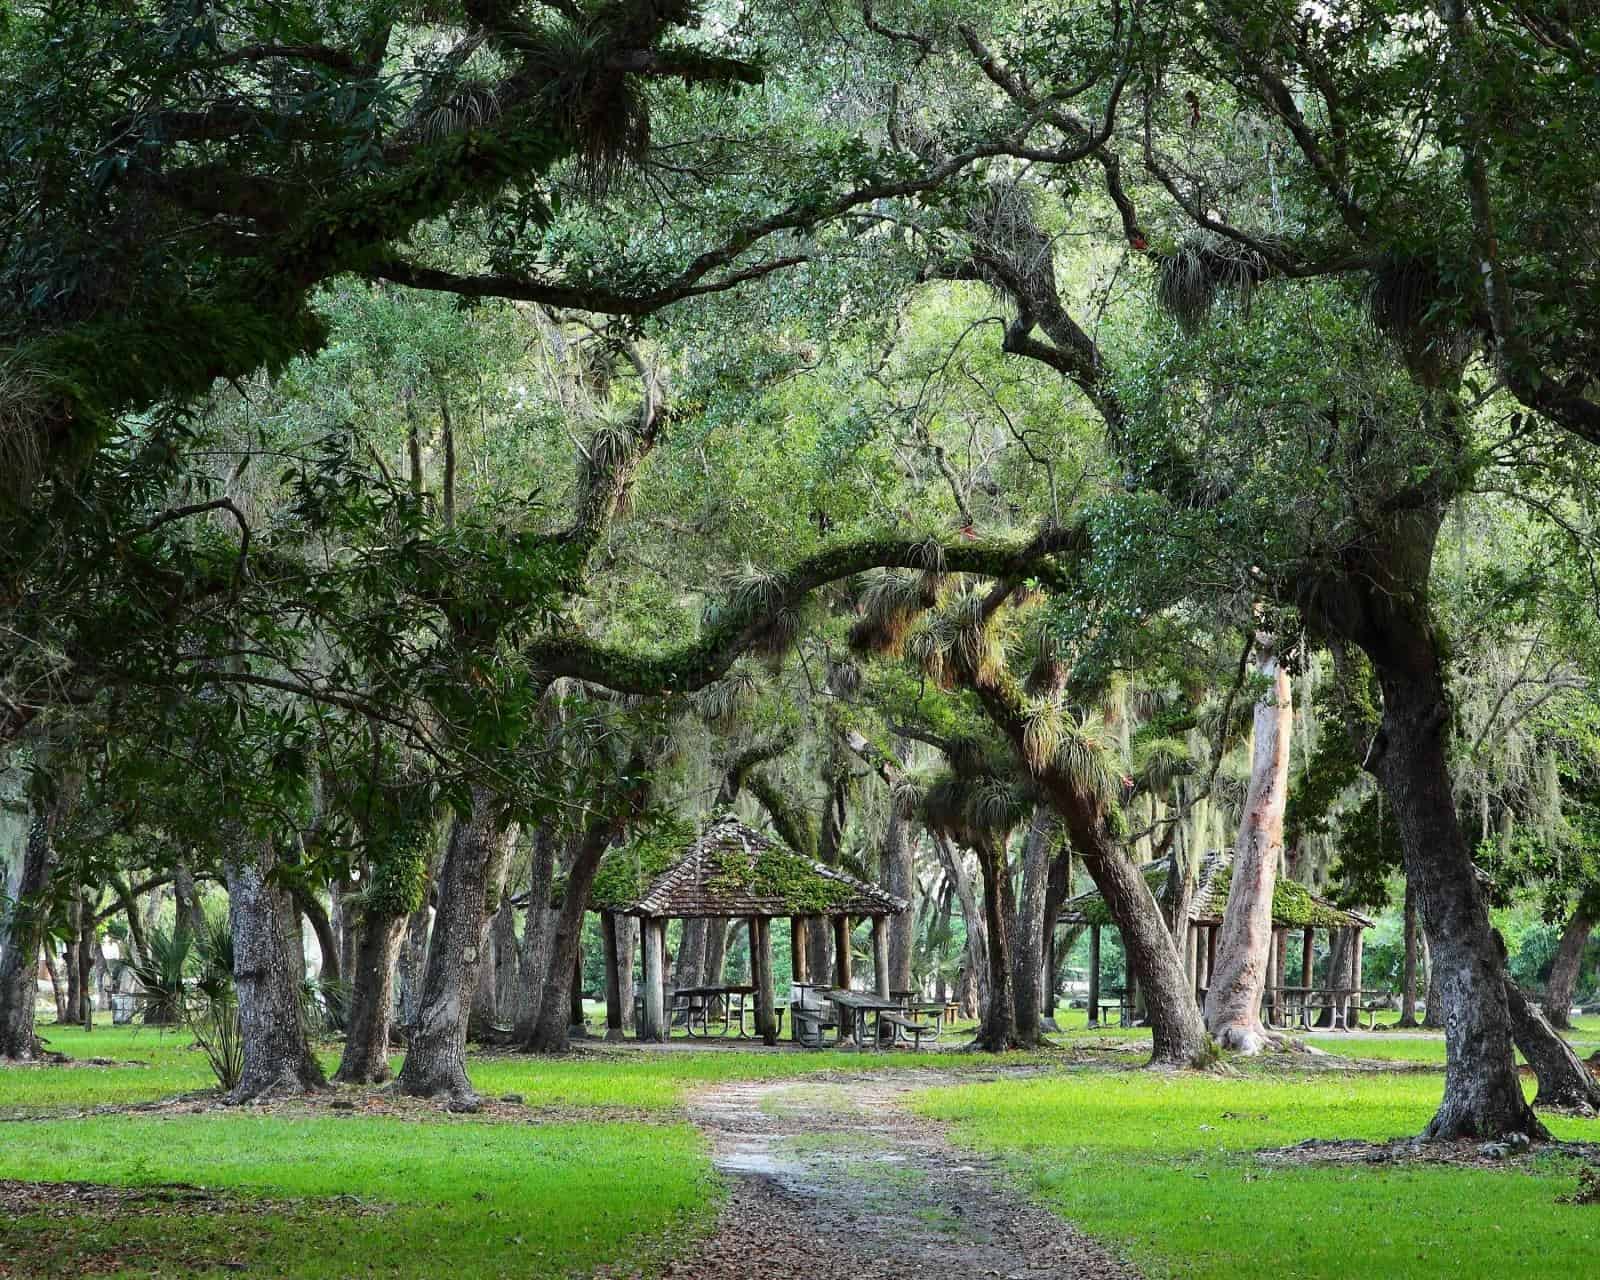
628	870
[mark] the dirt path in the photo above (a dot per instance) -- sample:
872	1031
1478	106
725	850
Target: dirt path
834	1180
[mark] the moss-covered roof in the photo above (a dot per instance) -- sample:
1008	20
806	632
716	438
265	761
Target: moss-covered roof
728	869
1293	905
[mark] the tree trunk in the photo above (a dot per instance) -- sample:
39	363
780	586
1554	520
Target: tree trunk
86	931
971	983
371	1011
691	958
538	935
469	885
1056	893
1233	996
56	989
1408	975
716	952
999	1030
327	941
484	1011
1483	1095
899	874
552	1029
267	975
1432	1011
1564	969
1563	1079
627	947
25	931
1030	954
190	916
408	969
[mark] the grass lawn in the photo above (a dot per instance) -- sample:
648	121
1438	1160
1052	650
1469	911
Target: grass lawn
472	1199
1161	1165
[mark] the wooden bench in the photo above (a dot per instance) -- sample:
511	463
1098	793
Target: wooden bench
904	1025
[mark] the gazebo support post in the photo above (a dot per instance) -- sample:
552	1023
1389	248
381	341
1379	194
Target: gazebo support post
653	938
1281	951
841	952
761	971
1191	954
1308	951
798	960
1094	975
608	941
1211	952
880	956
1357	945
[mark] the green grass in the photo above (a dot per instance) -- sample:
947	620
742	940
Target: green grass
1162	1165
655	1081
471	1199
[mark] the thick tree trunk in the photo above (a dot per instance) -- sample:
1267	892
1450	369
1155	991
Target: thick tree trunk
999	1029
485	1009
25	929
1233	996
1408	975
1030	954
1564	969
691	959
408	969
716	952
190	915
1058	891
538	935
1564	1081
899	874
552	1028
469	885
267	976
972	989
371	1011
1483	1096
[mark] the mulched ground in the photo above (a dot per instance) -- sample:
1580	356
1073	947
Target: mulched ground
167	1199
1463	1154
835	1180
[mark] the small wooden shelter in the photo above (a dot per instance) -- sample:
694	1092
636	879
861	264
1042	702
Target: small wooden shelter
728	870
1294	908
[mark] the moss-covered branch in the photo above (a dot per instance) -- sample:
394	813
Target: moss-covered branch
748	617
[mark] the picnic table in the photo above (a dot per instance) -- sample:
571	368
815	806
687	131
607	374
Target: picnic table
854	1008
1347	1004
703	1008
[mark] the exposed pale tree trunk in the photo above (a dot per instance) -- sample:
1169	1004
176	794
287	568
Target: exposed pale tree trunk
1233	997
971	985
57	990
470	881
267	976
408	968
1564	969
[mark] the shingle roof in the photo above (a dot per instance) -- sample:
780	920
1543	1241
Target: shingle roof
1293	905
730	870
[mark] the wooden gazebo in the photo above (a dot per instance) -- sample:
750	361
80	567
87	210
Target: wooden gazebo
728	870
1294	908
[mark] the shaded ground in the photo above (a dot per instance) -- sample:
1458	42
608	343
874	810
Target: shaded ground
1467	1153
834	1179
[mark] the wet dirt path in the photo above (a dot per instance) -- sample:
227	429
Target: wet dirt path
838	1179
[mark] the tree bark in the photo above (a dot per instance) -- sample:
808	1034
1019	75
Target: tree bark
368	1023
899	874
469	886
1030	954
1233	996
327	942
267	976
1564	969
538	934
25	931
1483	1095
998	1031
1408	976
1564	1081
